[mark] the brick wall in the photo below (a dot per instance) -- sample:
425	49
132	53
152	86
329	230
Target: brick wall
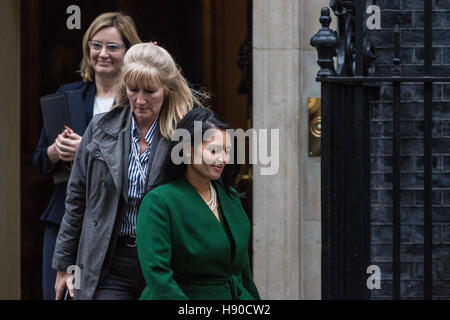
408	14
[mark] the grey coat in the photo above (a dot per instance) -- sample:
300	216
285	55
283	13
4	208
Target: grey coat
96	194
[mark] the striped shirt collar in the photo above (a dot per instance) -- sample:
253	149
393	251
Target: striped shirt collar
136	179
136	133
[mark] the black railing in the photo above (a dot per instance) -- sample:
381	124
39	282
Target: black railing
346	95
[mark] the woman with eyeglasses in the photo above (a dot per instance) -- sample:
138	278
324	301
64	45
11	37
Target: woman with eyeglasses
104	46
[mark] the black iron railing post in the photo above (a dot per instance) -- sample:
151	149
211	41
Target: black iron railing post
396	218
325	41
359	212
428	190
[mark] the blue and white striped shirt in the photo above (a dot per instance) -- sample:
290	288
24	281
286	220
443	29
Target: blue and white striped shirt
136	183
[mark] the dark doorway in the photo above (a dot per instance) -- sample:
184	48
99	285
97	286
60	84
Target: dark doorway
204	37
51	54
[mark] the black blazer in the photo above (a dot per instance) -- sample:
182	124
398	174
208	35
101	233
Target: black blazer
55	209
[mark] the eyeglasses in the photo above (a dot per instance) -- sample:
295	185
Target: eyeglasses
110	47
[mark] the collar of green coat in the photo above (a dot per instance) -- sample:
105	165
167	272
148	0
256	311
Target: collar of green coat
224	198
226	202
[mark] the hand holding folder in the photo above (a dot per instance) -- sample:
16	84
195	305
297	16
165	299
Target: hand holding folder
64	120
63	109
67	133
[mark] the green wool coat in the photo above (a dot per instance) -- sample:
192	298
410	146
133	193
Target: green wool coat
186	253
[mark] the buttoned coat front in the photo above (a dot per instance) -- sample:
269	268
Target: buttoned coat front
97	193
185	253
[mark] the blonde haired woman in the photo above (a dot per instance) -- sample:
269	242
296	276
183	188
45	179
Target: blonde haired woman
119	158
104	46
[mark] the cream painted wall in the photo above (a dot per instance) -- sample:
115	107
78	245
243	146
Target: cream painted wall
286	212
10	149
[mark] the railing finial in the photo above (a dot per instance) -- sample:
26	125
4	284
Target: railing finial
325	41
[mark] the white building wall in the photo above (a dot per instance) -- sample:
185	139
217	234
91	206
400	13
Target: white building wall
286	206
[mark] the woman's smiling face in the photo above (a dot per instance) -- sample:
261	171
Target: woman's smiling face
214	155
103	62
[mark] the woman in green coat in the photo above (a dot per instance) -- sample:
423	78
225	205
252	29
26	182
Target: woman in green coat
192	232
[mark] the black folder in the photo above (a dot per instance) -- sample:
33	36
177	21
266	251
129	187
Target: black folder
60	109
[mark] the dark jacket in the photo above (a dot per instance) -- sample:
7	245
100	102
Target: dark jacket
55	209
186	253
97	193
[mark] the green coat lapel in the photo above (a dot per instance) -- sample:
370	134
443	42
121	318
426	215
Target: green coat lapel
234	216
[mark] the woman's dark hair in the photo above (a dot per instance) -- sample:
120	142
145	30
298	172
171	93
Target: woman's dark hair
209	120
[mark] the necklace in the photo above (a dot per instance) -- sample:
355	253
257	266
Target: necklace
213	201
